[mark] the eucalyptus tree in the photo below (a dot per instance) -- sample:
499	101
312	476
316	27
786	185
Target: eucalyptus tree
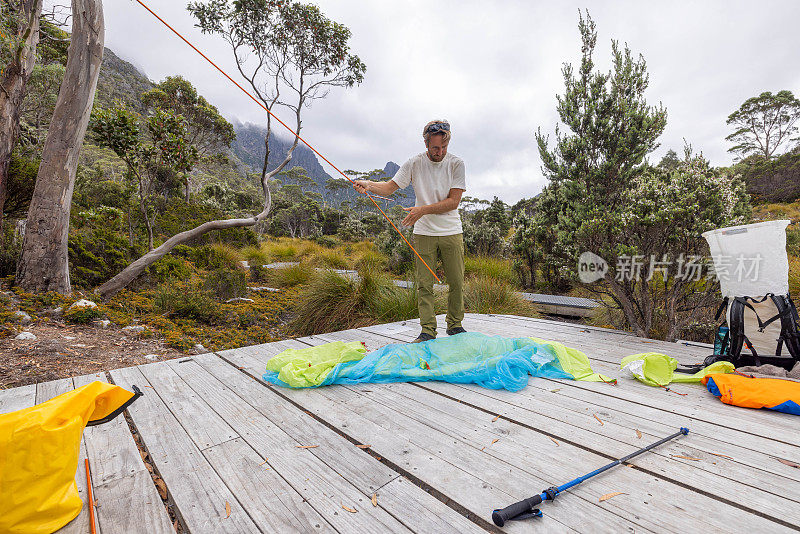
43	264
763	123
19	36
290	54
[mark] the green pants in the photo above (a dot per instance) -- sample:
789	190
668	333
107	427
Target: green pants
451	249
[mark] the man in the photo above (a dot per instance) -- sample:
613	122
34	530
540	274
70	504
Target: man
438	180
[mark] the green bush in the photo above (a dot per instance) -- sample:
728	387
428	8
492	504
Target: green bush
96	254
326	241
189	303
225	284
9	252
258	273
211	257
178	216
330	259
82	314
170	268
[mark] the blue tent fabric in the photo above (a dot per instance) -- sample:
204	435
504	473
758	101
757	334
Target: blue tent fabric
493	362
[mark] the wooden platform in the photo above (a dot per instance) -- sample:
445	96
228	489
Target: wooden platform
237	455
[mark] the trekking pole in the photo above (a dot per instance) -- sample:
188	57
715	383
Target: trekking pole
526	508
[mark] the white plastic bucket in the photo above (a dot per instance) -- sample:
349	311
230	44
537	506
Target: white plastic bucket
750	260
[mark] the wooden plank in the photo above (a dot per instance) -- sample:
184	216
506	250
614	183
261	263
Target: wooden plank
318	483
14	399
535	453
756	466
773	425
542	405
123	488
271	502
768	493
131	504
711	411
440	473
460	470
278	424
247	356
432	458
188	407
199	494
340	455
707	481
112	452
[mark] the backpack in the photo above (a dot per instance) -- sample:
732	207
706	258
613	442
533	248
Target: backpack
736	339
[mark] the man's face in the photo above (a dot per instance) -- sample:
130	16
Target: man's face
437	147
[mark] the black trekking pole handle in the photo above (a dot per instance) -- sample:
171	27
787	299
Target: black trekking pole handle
519	510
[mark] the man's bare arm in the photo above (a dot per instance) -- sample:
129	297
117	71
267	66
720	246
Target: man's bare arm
379	188
443	206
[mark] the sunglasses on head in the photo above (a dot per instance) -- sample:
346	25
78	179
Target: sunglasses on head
438	127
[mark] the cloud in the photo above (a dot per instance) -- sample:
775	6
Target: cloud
493	69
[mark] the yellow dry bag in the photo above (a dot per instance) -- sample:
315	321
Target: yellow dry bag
39	449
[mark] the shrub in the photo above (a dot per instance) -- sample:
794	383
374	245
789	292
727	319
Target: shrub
794	276
225	284
398	254
371	260
9	252
189	303
178	216
170	268
82	314
281	251
258	273
326	241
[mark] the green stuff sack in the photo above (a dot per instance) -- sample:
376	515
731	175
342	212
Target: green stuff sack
656	369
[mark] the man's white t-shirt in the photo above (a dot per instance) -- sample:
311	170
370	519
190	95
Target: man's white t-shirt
432	183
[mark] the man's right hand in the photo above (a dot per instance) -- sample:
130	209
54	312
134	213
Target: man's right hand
361	186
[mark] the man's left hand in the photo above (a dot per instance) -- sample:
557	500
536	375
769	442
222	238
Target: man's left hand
414	215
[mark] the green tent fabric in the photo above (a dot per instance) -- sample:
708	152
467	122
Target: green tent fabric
573	362
309	366
656	369
490	361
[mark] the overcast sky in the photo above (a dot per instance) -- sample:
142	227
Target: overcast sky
493	68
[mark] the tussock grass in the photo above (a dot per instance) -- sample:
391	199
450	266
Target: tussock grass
289	276
229	255
483	294
371	260
256	255
794	277
332	302
330	259
490	267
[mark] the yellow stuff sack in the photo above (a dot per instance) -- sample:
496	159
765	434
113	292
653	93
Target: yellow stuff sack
39	449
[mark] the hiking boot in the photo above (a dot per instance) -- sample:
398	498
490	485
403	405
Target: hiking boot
454	331
423	337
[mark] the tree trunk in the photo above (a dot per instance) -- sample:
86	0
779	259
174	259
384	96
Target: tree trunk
43	265
13	81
